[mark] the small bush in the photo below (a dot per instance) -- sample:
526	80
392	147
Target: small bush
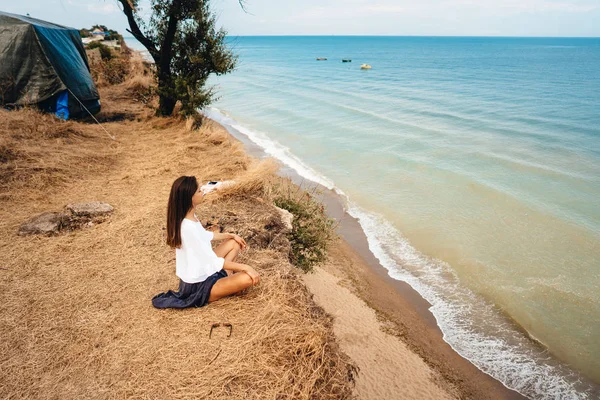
116	70
105	51
312	230
113	71
141	88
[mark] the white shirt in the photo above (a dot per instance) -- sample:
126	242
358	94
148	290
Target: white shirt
195	260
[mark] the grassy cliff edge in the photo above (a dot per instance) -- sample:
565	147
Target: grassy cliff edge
75	311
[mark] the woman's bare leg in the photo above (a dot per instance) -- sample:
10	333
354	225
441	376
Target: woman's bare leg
229	285
229	250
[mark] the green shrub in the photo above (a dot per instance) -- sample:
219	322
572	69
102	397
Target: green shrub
311	231
105	51
116	70
112	72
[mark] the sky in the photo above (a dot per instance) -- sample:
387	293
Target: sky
353	17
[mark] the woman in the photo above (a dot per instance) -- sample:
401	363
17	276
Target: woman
205	275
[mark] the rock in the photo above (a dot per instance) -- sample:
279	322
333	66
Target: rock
286	217
91	209
48	223
75	216
82	215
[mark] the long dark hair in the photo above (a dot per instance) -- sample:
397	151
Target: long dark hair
180	202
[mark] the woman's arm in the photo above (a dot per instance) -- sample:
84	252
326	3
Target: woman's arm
237	267
221	236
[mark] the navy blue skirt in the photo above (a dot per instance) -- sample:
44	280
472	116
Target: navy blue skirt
189	294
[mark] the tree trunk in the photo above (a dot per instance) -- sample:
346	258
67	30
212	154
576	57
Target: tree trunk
166	105
162	58
166	98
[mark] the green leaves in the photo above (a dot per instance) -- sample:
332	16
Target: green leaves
311	232
199	50
182	38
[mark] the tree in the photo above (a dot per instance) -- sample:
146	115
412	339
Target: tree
101	27
110	34
182	38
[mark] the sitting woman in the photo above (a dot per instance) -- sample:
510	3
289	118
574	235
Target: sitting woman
205	275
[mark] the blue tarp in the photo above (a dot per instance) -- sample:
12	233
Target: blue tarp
62	105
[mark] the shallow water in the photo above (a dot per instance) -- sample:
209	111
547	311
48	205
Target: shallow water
473	165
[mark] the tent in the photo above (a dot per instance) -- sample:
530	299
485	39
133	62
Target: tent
45	64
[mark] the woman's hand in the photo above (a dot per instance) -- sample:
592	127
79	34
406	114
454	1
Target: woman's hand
239	241
253	275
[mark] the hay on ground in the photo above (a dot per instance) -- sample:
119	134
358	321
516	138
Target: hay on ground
76	319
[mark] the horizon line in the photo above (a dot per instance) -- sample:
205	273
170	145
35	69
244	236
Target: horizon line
449	36
415	36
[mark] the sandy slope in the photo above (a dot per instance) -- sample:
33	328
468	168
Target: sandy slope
388	369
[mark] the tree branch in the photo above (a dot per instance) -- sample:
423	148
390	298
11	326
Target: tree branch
166	46
136	32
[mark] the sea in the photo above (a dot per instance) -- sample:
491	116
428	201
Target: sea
472	165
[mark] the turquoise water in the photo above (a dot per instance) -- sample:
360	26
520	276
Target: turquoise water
472	164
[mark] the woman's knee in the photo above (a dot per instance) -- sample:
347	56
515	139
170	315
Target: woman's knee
247	280
235	244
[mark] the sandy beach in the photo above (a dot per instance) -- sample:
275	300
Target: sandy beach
75	311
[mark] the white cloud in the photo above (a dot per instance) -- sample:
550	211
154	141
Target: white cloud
335	9
384	8
503	6
488	7
103	8
359	17
316	12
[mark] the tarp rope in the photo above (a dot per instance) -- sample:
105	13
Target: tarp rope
92	115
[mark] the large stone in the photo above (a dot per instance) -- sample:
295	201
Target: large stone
91	209
75	216
48	223
286	218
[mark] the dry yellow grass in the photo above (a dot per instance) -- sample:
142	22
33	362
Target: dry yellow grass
39	151
76	319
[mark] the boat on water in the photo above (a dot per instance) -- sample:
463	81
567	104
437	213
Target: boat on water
365	66
321	58
346	60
